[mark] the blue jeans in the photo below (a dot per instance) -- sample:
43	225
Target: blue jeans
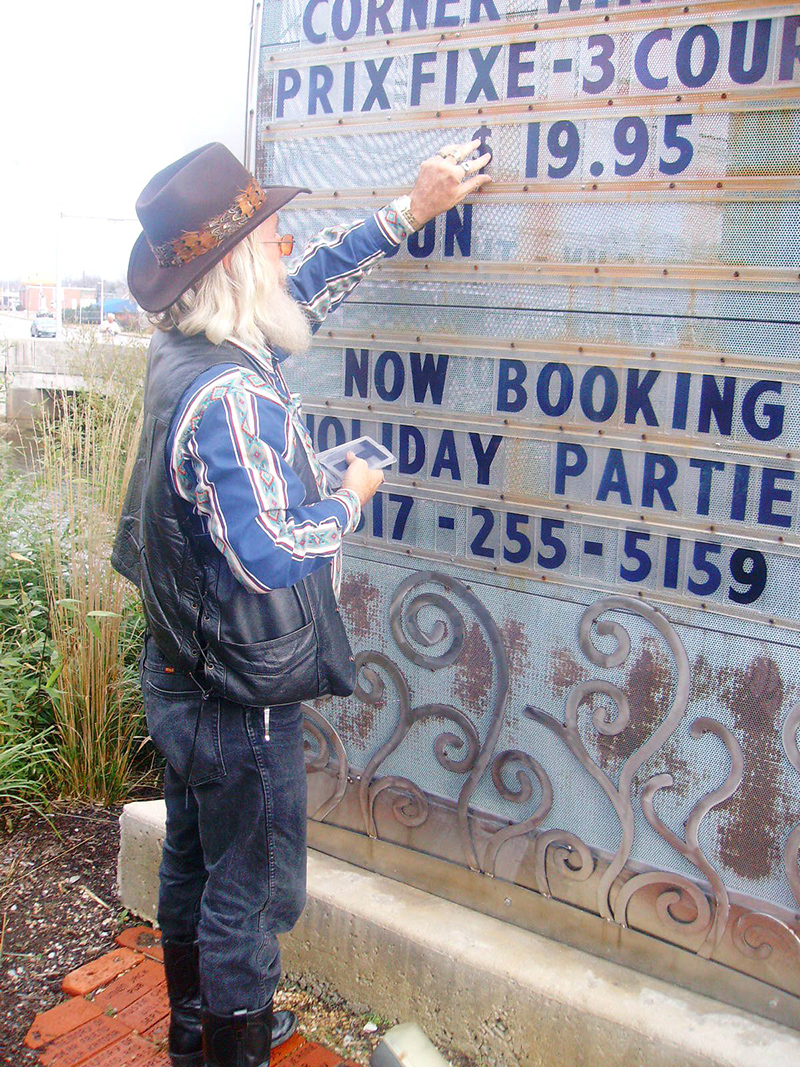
233	866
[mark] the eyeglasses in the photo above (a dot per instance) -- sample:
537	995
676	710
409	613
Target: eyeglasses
286	244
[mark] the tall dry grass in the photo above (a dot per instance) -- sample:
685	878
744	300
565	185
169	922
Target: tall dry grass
87	449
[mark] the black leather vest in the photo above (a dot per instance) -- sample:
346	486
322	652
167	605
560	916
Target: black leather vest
255	648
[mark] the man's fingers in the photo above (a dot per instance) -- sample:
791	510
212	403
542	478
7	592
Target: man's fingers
458	152
475	165
473	185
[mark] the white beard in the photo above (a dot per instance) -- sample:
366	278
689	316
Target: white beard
286	324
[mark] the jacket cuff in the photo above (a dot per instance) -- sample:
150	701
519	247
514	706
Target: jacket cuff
351	503
392	224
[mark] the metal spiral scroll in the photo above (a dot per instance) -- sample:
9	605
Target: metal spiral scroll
756	934
620	796
690	849
519	796
406	628
321	730
791	855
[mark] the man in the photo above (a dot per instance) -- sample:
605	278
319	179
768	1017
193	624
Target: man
233	540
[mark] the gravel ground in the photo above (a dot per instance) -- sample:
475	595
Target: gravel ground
59	909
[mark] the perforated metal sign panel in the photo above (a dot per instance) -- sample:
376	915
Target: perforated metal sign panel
575	602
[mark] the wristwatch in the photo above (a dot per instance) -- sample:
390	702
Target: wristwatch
403	207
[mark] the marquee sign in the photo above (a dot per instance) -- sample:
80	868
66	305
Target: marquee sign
589	376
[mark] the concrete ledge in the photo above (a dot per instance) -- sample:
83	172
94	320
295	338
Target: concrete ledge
500	994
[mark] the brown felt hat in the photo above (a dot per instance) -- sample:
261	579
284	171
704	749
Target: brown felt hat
193	213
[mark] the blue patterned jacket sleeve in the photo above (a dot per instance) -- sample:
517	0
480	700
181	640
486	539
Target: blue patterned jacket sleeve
336	260
231	457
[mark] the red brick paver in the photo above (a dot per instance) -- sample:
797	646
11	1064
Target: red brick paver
142	939
100	972
123	991
125	1022
60	1020
78	1045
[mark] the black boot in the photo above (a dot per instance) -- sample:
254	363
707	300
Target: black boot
245	1038
182	968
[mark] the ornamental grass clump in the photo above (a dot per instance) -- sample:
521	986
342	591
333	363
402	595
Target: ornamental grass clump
87	447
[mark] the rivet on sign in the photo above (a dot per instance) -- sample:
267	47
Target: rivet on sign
438	114
722	359
600	432
580	348
780	538
530	107
506	422
369	407
597	270
543	577
641	518
340	122
335	192
712	527
771	622
719	186
561	428
330	333
327	403
511	344
480	110
641	593
788	455
679	98
419	339
502	496
686	11
610	103
344	47
703	606
594	186
373	336
724	96
665	271
566	507
536	25
606	18
672	185
736	274
644	436
652	355
526	188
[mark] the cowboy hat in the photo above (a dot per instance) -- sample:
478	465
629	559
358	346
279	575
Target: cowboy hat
192	214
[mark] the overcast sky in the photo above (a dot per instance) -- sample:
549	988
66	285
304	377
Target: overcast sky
94	99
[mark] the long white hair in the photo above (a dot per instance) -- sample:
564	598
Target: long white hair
248	301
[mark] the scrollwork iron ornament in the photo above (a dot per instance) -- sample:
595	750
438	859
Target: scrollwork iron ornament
768	931
791	854
518	796
690	849
567	848
412	639
324	734
619	795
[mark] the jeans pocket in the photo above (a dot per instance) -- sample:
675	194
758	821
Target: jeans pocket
184	726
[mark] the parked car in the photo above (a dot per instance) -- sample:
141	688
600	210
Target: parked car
43	326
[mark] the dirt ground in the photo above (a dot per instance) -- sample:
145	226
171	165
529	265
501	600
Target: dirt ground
59	909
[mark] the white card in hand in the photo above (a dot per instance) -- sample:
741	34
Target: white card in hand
334	462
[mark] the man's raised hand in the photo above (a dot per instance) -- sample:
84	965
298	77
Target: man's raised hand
446	179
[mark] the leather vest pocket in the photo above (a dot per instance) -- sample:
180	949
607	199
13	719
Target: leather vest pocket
265	673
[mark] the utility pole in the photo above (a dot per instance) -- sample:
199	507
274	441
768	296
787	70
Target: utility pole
59	309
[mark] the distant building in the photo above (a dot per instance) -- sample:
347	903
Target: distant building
36	296
9	298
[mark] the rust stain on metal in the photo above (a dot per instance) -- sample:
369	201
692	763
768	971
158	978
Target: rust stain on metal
704	679
650	686
473	680
565	671
358	602
517	646
755	818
